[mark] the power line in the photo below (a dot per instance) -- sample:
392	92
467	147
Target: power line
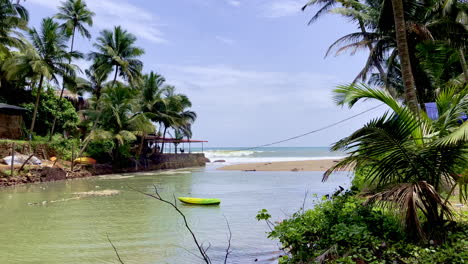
313	131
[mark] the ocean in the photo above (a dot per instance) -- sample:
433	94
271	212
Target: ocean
270	154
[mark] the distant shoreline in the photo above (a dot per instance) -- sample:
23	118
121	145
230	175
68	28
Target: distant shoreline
304	165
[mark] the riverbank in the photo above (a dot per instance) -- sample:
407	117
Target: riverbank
305	165
48	172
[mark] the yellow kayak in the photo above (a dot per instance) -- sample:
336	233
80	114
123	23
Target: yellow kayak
85	160
202	201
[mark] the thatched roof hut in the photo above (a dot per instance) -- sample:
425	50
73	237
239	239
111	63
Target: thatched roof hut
11	121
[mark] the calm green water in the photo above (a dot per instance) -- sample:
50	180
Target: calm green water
145	230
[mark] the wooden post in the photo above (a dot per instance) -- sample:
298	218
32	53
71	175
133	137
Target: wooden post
12	173
73	157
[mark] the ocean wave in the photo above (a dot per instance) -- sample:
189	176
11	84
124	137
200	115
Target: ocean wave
229	153
236	160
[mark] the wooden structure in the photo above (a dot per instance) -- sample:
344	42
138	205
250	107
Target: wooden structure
153	144
11	121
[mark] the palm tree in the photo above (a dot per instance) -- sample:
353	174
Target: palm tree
174	111
46	58
115	49
403	54
76	16
361	13
12	17
119	117
409	157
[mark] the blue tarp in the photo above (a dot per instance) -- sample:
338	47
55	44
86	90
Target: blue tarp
433	113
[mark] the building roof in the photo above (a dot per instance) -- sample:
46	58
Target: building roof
172	140
11	107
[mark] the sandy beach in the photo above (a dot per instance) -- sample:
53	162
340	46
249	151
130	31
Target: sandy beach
306	165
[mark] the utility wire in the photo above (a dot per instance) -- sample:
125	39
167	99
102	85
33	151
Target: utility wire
313	131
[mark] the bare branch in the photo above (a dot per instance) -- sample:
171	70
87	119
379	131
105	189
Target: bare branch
158	197
115	250
228	249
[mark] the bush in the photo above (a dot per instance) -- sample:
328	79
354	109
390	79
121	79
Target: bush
61	145
49	107
101	150
342	230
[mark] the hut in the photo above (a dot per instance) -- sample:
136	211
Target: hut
11	121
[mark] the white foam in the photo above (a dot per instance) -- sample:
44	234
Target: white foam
276	159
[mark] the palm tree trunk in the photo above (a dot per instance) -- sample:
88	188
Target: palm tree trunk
115	76
463	64
63	85
36	106
164	138
403	53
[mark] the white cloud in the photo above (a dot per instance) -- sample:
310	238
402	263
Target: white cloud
241	87
245	107
112	12
234	2
281	8
225	40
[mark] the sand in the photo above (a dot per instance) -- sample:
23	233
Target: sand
307	165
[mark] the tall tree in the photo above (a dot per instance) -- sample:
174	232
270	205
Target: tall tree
47	58
116	49
403	54
13	17
76	16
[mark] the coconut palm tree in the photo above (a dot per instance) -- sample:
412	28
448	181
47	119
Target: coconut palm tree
364	15
76	16
175	112
116	49
409	158
46	58
403	54
12	17
119	117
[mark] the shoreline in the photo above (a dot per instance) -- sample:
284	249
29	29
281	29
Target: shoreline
39	173
303	165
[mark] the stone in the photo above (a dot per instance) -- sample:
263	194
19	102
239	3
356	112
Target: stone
219	161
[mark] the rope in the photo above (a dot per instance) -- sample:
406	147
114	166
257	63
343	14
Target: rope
313	131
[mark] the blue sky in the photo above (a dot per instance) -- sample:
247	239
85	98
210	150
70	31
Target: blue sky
254	70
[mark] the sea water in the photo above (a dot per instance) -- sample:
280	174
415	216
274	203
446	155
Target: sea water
270	154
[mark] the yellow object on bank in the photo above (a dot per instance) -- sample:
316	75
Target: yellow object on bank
201	201
85	160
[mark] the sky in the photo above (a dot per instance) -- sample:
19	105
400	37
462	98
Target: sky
253	69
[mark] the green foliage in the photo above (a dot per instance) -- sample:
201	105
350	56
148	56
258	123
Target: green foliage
61	145
101	150
343	230
50	106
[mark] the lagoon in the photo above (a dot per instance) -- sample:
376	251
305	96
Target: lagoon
47	223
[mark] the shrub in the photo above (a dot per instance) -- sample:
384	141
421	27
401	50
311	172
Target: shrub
342	230
101	150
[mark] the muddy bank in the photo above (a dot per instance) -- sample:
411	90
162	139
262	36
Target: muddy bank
46	174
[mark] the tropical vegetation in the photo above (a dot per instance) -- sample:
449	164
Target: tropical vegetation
108	107
410	164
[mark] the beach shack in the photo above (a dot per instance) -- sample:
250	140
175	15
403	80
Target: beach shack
153	144
11	121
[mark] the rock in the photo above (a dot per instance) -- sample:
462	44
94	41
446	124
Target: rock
295	169
219	161
207	160
20	159
53	174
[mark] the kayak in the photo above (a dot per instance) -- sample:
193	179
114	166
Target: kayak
201	201
85	160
